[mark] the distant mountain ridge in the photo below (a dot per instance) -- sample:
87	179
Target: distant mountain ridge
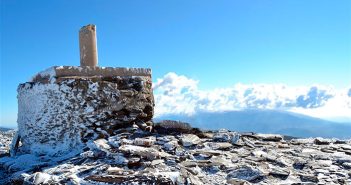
4	129
266	121
263	121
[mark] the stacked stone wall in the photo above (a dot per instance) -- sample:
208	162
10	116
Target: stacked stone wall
56	116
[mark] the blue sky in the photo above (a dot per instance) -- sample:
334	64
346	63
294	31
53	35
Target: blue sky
295	42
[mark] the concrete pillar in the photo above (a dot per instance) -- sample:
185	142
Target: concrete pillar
87	46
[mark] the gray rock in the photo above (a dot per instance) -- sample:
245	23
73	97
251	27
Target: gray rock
235	138
321	141
235	181
347	165
279	173
218	146
308	178
100	144
171	145
270	137
43	178
222	136
247	173
248	142
147	141
149	153
136	156
190	140
346	147
173	127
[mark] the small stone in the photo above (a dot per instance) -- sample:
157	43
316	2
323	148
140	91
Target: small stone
281	145
107	178
321	141
134	162
308	178
339	141
248	143
189	140
179	151
347	165
202	156
235	181
279	173
148	141
218	146
170	145
222	136
259	154
194	180
221	162
14	144
342	160
189	163
170	177
149	153
100	144
119	159
114	141
42	178
164	139
327	150
87	154
235	138
156	162
324	171
115	171
269	137
247	173
324	163
171	127
346	147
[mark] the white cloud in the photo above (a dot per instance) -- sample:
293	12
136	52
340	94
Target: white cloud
175	94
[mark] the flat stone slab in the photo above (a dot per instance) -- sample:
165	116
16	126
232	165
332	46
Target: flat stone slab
89	71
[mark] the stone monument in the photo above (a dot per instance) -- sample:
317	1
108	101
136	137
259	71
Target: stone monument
64	107
87	46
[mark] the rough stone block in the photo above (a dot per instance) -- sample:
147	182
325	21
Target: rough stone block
62	109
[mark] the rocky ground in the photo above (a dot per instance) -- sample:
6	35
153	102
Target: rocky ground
5	141
177	154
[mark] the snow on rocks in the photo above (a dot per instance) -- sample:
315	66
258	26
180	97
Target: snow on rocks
147	141
149	153
269	137
99	144
134	156
5	141
322	141
247	173
171	145
43	178
189	140
57	116
22	162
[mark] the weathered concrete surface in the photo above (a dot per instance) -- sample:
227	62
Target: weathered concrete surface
88	71
61	115
88	46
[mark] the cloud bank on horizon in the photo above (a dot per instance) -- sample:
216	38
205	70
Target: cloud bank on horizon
178	94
